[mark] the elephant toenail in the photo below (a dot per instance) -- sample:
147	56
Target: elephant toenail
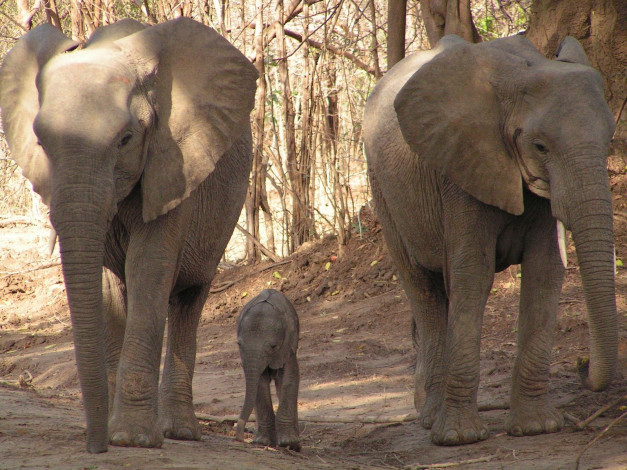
120	439
143	441
185	434
451	438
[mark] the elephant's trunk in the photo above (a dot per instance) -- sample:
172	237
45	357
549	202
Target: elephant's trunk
252	374
590	220
81	222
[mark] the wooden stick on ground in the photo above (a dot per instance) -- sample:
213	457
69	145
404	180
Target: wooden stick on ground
599	412
601	434
487	458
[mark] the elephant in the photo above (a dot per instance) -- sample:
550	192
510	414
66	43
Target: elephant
267	336
479	155
140	144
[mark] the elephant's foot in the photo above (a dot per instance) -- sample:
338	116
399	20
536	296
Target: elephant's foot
457	427
534	418
288	437
135	430
180	424
265	438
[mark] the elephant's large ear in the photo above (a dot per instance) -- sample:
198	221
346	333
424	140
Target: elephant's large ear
19	101
570	50
203	92
450	115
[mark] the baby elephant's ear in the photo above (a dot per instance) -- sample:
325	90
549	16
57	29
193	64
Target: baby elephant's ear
203	90
19	101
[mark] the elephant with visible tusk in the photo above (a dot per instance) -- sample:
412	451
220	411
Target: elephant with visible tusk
480	156
267	336
140	143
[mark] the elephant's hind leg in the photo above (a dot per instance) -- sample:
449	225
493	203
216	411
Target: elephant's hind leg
176	411
287	382
429	304
114	308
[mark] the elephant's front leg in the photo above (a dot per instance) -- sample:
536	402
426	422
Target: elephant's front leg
266	430
542	275
470	252
151	265
176	410
287	414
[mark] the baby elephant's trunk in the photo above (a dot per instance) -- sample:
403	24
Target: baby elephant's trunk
252	382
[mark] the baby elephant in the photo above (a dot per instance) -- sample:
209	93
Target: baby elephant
267	335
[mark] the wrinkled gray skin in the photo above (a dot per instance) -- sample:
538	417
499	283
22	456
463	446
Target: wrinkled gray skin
267	335
140	144
474	151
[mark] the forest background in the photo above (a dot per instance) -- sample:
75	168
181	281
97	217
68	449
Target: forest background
318	61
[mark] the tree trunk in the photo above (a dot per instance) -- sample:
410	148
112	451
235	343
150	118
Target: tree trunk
396	30
297	171
253	198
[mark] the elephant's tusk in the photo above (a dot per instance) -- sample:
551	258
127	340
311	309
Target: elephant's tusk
615	270
52	241
561	242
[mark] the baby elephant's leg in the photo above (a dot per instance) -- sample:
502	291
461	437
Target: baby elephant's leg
287	415
266	432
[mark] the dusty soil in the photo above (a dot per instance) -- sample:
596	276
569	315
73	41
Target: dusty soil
356	358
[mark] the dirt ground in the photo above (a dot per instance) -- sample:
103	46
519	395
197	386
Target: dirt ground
356	360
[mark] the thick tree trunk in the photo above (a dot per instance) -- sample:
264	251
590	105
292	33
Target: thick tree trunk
396	31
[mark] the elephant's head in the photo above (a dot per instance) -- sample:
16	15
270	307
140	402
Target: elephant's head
497	117
146	109
267	334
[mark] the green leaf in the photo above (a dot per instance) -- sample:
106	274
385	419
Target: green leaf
276	275
619	263
327	266
244	294
374	262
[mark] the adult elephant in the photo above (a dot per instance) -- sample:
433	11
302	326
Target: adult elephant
474	152
140	143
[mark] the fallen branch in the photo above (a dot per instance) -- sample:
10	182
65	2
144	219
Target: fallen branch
227	284
593	441
44	266
19	221
358	420
232	419
273	256
418	466
599	412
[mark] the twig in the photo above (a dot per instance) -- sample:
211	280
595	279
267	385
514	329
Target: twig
45	266
227	284
601	434
357	420
599	412
487	458
273	256
19	221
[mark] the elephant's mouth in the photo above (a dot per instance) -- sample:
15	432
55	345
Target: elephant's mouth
536	184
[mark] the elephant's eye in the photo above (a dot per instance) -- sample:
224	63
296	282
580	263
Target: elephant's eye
125	140
540	147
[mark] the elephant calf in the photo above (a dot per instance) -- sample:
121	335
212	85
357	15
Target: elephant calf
267	335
